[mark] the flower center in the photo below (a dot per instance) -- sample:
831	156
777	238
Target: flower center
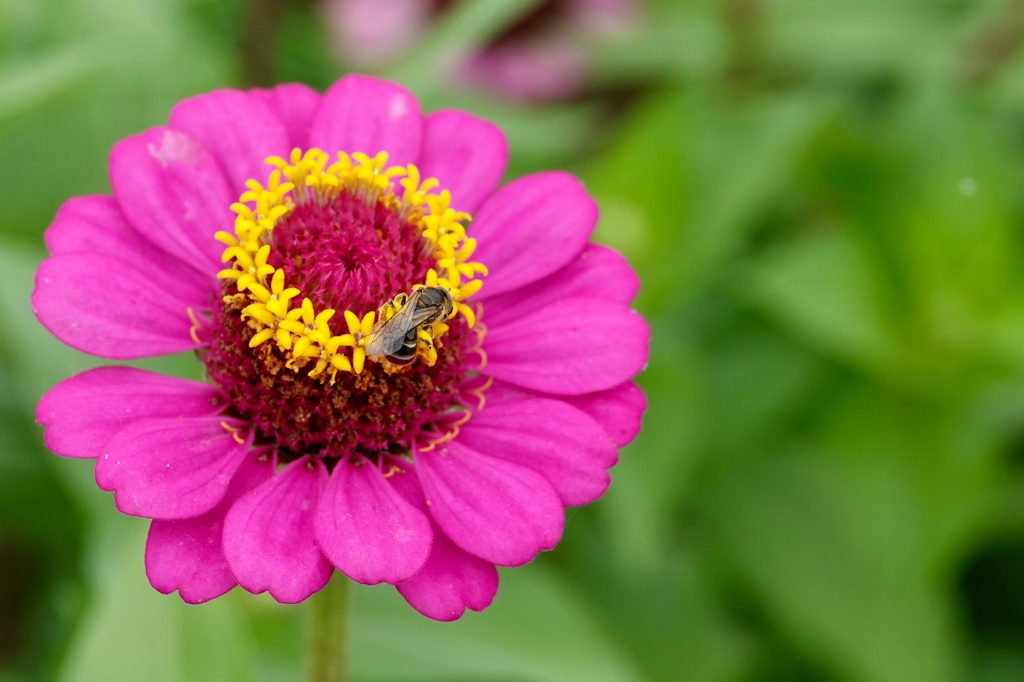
347	255
319	238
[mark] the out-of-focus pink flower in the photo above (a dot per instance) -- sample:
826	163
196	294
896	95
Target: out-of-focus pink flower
305	450
544	56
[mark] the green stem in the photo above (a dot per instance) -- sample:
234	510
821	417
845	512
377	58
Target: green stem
995	46
327	638
744	29
261	21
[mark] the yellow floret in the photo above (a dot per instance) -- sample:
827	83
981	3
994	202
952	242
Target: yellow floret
303	333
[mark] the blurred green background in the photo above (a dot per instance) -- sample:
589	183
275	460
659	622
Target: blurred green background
825	201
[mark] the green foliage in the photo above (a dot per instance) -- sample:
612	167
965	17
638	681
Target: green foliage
823	200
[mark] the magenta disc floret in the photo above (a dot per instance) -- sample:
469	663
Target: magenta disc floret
344	242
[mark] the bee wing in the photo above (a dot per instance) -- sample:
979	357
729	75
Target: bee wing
387	337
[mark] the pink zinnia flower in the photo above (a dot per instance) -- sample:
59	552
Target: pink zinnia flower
545	55
423	467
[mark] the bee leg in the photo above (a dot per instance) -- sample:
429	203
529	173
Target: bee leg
425	345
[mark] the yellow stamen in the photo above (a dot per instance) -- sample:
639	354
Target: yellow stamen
392	470
303	332
193	331
234	433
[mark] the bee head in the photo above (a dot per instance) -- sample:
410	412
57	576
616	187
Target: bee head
437	297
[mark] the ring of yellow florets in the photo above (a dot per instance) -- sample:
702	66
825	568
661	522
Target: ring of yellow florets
277	313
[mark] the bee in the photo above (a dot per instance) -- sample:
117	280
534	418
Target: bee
397	338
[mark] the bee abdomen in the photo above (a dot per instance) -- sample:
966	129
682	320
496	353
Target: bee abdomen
407	353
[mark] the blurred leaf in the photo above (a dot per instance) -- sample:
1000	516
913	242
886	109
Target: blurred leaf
41	594
845	38
151	58
760	386
960	233
644	180
135	633
695	171
654	470
26	481
789	538
279	632
677	39
667	613
847	538
738	169
826	289
535	630
26	85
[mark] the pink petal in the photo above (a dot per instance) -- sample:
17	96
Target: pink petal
239	130
367	530
619	410
498	392
532	227
598	272
364	114
95	224
493	509
452	580
268	534
466	154
81	413
188	555
172	191
556	440
294	104
105	307
171	468
571	347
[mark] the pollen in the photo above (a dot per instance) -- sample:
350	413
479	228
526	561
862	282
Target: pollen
263	273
